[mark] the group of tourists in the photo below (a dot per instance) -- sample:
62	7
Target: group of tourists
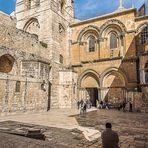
110	138
84	105
102	105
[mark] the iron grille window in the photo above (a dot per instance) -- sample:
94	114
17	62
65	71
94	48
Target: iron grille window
113	41
92	44
17	86
144	36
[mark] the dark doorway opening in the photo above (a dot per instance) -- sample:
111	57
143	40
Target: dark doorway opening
93	95
49	96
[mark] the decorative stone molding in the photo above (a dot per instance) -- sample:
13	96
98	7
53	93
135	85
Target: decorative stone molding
113	22
86	29
140	27
88	72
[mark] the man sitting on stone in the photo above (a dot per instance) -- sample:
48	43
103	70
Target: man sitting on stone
109	137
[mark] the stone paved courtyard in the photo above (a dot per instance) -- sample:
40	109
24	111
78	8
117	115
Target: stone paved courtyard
61	129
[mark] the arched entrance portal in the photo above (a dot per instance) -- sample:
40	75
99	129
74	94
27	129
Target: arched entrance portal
113	87
89	88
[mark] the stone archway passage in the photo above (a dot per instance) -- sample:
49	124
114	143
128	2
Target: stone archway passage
6	63
89	88
93	95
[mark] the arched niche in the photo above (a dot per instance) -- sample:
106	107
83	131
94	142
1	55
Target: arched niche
32	26
6	63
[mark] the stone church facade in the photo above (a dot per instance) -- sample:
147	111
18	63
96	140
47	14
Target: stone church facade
110	55
50	60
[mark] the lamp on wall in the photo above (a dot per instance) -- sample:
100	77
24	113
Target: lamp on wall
44	86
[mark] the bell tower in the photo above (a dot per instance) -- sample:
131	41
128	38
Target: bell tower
38	16
49	20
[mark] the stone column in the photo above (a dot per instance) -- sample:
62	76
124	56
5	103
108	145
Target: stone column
6	96
142	77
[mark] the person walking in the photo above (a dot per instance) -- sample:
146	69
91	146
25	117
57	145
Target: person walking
101	104
78	104
84	107
109	137
130	106
81	103
123	106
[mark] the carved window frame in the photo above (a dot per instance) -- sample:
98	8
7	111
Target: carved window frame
91	40
18	86
113	41
143	37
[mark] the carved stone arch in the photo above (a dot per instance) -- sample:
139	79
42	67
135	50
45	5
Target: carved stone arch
32	26
90	28
113	70
141	27
114	23
86	74
6	63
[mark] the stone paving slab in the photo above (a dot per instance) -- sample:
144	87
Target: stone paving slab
13	141
132	127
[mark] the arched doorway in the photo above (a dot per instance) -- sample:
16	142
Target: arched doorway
6	63
113	87
89	88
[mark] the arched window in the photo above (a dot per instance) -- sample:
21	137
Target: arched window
146	72
17	86
113	41
144	35
91	44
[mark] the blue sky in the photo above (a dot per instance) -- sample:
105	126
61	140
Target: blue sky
90	8
84	9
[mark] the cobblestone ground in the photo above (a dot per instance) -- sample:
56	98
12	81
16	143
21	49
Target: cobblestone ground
132	129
